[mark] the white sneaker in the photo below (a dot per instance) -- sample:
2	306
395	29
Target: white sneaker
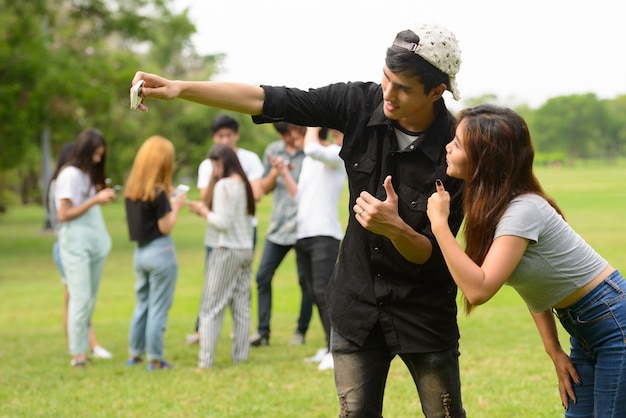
327	362
297	339
191	339
318	357
101	352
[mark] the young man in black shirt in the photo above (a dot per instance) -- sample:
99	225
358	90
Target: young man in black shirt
391	292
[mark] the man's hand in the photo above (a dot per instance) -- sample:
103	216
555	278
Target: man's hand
382	218
154	87
376	215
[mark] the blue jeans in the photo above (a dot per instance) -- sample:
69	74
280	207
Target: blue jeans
273	255
317	257
361	374
56	255
156	271
597	326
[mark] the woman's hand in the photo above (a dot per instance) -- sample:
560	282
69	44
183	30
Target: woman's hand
198	208
566	372
104	196
438	209
179	201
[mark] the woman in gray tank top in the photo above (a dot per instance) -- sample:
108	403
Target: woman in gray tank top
515	234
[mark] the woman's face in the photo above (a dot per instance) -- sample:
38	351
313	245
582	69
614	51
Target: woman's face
218	168
456	157
97	154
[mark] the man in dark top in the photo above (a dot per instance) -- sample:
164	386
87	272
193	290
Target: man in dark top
391	292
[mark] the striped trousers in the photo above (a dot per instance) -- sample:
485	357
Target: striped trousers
226	285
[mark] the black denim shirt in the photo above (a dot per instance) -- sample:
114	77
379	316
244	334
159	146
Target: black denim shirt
372	282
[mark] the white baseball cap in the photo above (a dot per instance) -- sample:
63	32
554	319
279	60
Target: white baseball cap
438	46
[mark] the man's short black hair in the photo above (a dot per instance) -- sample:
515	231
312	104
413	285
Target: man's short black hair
281	127
224	121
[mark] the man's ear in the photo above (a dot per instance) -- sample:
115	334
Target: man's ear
438	91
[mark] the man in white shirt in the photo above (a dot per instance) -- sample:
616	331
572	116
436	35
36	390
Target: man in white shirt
319	231
225	129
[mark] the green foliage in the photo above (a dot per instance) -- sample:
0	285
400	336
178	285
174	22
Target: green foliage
67	66
575	124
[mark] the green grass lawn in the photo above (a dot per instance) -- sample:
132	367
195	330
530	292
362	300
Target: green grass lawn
505	372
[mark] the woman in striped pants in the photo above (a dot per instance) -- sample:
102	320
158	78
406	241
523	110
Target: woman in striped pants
228	208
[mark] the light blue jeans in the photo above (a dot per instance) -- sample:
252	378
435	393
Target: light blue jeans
84	244
56	255
597	328
156	270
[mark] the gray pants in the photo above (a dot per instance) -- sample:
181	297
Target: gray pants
226	284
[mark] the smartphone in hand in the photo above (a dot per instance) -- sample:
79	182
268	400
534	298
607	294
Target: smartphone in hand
181	188
135	98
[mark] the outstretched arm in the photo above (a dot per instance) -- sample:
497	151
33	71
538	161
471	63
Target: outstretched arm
237	97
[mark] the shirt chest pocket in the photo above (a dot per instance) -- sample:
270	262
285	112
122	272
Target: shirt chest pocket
361	174
411	200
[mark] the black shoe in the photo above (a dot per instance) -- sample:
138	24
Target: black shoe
259	340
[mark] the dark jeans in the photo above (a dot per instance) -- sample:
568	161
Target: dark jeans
361	374
273	255
317	257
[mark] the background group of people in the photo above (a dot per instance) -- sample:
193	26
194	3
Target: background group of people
231	180
414	172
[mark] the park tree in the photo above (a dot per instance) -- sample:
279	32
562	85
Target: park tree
576	125
617	128
66	65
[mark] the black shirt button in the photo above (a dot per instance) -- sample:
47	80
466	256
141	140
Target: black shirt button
413	204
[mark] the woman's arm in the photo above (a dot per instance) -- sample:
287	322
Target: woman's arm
565	370
478	283
67	211
166	222
221	216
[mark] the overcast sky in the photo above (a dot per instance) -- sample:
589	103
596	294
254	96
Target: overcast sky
522	51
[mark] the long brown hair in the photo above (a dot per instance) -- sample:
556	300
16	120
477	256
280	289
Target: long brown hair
81	156
152	170
64	155
228	157
500	158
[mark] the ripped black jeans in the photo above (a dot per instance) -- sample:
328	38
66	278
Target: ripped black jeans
361	374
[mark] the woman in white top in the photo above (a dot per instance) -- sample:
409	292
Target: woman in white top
97	350
515	235
84	242
227	208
